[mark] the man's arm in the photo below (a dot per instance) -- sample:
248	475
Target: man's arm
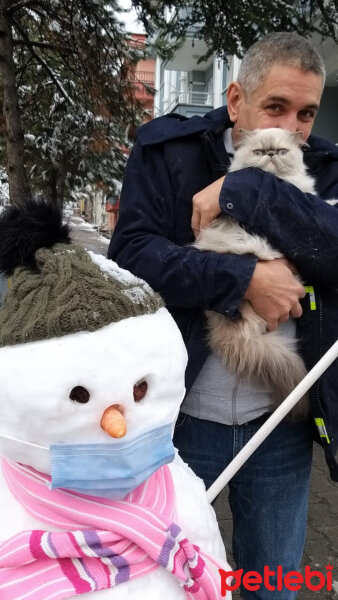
302	226
144	243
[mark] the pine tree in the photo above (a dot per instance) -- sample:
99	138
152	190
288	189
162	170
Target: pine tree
232	27
70	62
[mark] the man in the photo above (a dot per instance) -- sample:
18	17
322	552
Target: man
174	184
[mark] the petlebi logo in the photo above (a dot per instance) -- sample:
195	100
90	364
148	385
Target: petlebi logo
290	580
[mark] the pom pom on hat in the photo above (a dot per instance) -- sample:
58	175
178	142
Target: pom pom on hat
23	230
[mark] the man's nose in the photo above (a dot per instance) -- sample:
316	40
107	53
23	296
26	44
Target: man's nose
289	122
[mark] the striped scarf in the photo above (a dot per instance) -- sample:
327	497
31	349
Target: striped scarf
106	542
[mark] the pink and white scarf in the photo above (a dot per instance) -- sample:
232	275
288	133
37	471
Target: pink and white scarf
106	542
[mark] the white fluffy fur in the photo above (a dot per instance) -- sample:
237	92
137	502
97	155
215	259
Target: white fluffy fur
245	346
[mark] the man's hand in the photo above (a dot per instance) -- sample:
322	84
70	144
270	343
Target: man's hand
274	292
205	206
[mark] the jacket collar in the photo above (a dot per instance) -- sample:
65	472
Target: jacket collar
318	152
172	126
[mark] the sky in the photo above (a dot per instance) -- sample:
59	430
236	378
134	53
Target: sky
130	18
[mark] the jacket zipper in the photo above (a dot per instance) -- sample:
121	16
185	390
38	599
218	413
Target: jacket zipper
187	331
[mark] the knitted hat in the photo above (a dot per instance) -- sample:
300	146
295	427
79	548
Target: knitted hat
56	288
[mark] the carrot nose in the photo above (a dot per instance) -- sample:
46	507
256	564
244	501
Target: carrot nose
113	421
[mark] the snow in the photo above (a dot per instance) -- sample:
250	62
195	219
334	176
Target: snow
79	224
104	239
130	18
4	188
82	225
122	275
137	290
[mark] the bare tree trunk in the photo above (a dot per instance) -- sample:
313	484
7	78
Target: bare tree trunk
61	183
18	186
57	184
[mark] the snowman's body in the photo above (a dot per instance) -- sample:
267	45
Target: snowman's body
37	410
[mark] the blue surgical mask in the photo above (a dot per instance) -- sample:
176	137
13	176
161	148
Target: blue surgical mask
111	470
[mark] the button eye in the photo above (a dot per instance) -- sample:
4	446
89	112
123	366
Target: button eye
259	152
282	151
140	390
79	394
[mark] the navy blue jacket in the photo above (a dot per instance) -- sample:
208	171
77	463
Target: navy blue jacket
174	158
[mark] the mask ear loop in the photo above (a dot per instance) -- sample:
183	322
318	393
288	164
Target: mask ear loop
13	439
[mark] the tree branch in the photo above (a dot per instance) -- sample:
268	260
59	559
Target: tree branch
27	42
21	4
46	67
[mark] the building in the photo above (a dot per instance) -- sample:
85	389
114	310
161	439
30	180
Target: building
99	204
142	75
189	87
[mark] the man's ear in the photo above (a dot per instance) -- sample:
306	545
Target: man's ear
234	100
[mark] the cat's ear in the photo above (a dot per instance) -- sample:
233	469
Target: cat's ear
296	136
243	134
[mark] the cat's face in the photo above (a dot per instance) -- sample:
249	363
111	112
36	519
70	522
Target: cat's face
274	150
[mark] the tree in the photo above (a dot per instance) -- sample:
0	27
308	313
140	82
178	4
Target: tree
65	65
231	27
15	167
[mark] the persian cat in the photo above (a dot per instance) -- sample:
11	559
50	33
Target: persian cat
245	345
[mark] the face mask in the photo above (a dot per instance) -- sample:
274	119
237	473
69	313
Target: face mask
110	470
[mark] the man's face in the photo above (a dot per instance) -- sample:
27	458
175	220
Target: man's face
288	98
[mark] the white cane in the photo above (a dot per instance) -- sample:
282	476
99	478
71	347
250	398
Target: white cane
273	421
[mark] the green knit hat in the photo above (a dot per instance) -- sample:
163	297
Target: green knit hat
63	291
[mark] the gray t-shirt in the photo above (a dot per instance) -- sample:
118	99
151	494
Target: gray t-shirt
217	395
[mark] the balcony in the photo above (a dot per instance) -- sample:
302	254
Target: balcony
146	77
181	102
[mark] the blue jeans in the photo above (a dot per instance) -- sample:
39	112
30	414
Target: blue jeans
268	496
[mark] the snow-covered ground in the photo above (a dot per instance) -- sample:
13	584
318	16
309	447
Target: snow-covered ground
86	235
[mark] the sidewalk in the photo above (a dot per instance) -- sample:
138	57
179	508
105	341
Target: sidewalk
322	536
84	234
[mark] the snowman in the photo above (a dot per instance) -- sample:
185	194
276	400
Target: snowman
94	500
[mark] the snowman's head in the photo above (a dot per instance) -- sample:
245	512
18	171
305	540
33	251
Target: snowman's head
88	355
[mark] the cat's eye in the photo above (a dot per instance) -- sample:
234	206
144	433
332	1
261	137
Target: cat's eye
259	152
282	151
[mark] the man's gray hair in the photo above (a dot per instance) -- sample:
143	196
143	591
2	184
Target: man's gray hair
287	49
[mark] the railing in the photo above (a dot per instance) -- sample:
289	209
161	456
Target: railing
142	77
191	98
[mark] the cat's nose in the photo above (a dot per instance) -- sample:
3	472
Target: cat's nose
271	152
